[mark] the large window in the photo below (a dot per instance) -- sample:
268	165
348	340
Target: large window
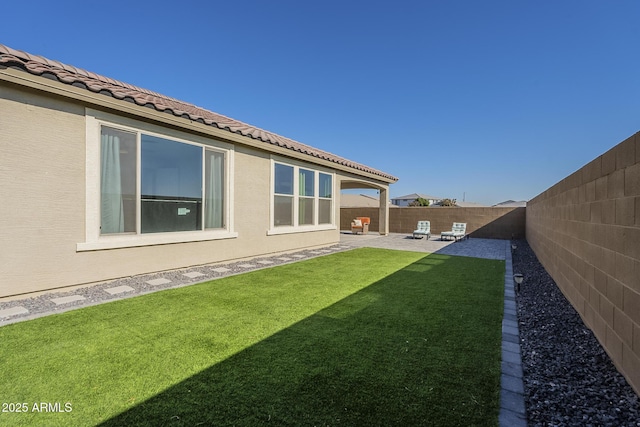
306	197
284	196
302	198
118	196
173	186
325	207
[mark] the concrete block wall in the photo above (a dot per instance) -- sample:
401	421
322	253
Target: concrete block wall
491	223
585	230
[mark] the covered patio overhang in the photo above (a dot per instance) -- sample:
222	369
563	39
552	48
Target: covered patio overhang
383	195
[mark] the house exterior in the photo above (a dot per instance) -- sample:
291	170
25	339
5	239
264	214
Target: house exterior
102	180
405	200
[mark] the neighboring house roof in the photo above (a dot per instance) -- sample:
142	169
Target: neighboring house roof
40	66
511	204
348	200
358	201
470	205
414	196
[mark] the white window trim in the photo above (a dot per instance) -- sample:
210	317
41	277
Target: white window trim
93	239
273	230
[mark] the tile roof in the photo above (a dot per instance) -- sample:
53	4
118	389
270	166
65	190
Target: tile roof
96	83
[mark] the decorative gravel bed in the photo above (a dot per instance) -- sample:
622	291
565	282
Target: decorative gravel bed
96	294
569	379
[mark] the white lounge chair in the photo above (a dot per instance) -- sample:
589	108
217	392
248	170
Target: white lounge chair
424	229
458	232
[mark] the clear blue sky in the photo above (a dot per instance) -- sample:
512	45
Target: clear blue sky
493	99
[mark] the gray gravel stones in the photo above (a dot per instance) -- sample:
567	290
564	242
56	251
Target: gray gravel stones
58	302
569	379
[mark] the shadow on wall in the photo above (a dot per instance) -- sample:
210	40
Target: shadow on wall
511	225
485	222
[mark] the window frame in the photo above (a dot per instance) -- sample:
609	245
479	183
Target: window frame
94	240
322	198
304	197
296	227
290	196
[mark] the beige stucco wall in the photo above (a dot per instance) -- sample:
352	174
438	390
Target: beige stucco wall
42	214
42	209
585	230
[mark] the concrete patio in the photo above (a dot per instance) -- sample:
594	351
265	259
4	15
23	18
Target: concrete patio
478	248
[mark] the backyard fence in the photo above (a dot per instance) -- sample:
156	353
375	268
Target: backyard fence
585	230
487	223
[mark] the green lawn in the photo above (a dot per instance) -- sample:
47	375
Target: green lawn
365	337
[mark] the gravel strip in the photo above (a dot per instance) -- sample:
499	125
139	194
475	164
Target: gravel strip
569	379
43	304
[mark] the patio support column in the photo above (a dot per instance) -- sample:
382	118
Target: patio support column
384	212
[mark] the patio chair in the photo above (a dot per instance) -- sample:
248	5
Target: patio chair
423	229
458	232
360	225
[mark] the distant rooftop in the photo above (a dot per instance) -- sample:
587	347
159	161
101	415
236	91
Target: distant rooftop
414	196
348	200
511	204
470	205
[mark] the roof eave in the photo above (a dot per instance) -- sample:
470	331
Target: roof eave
99	100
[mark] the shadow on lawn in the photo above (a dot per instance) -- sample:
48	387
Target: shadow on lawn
407	350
